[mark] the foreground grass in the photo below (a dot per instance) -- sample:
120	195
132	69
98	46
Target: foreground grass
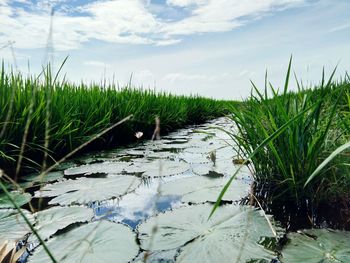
283	157
42	118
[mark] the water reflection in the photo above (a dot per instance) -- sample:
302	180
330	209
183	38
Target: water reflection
139	205
182	146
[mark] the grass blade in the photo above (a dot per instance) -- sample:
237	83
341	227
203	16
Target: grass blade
256	150
327	160
42	242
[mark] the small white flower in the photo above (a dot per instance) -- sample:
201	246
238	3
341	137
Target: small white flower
138	135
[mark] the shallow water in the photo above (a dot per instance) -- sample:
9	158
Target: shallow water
189	166
186	145
159	194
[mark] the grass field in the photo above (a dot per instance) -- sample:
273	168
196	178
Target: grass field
42	118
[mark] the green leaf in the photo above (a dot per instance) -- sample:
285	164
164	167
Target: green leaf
100	241
105	167
85	190
223	167
158	168
286	83
327	160
18	197
270	138
231	233
199	189
12	225
36	179
49	221
317	245
154	168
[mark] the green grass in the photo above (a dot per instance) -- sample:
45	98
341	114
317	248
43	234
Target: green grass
318	123
51	118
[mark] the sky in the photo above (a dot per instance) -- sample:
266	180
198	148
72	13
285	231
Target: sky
213	48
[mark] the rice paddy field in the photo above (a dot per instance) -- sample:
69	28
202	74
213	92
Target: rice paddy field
43	119
94	173
297	144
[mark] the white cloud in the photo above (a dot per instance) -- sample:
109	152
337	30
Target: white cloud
175	77
95	63
246	74
339	28
121	17
110	21
168	42
223	15
144	78
144	74
185	3
124	21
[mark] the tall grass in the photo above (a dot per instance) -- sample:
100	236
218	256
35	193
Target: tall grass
42	118
318	123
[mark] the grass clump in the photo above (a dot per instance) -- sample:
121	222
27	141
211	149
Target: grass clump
318	123
42	118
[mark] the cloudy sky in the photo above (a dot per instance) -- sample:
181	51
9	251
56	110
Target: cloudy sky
207	47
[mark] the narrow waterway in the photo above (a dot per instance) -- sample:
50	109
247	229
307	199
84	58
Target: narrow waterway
195	161
184	168
149	202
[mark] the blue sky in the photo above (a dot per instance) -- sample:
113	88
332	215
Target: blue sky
207	47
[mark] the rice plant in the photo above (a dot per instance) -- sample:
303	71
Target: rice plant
42	118
318	123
